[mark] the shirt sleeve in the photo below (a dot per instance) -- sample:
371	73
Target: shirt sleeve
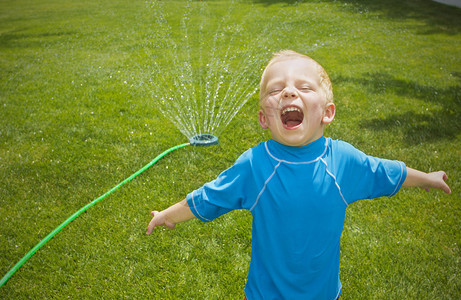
368	177
229	191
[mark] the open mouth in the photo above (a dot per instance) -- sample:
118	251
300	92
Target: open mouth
291	117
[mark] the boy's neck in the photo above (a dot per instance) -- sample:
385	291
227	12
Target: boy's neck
299	154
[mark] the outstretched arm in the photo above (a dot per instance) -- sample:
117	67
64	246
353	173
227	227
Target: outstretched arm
427	181
169	217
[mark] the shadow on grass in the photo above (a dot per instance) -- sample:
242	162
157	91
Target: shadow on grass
416	127
439	18
20	39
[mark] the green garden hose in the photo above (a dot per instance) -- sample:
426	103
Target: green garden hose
83	209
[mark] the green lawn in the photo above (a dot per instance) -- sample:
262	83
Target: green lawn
80	112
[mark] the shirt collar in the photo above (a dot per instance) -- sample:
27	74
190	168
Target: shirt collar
297	155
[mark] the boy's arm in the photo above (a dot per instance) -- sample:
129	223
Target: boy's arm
427	181
169	217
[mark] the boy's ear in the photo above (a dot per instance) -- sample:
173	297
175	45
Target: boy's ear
262	119
329	114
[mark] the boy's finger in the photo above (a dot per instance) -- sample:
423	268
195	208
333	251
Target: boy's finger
445	176
151	225
445	186
170	225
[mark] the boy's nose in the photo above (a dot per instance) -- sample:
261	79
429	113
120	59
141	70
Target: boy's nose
289	93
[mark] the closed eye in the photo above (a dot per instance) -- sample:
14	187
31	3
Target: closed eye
305	89
274	92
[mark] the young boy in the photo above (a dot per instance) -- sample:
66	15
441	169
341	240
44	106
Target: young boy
297	186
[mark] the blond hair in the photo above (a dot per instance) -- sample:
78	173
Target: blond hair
325	82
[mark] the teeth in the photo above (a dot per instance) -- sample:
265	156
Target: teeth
291	108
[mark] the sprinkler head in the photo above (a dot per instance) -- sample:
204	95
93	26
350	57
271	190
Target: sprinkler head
204	140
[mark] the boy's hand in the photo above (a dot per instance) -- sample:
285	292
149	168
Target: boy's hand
427	181
437	181
159	219
171	216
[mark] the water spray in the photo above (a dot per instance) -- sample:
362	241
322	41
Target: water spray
197	140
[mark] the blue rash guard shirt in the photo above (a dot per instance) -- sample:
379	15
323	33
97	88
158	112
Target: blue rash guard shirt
298	198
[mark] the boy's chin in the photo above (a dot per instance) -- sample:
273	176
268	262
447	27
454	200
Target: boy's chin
293	141
297	139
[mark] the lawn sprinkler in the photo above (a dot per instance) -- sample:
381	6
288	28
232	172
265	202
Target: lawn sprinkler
203	140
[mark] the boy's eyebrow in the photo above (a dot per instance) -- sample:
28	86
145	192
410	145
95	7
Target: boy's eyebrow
272	83
282	82
303	81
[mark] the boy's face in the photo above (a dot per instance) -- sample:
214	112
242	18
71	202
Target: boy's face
293	105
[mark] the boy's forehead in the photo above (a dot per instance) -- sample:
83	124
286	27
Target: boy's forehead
295	64
294	67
